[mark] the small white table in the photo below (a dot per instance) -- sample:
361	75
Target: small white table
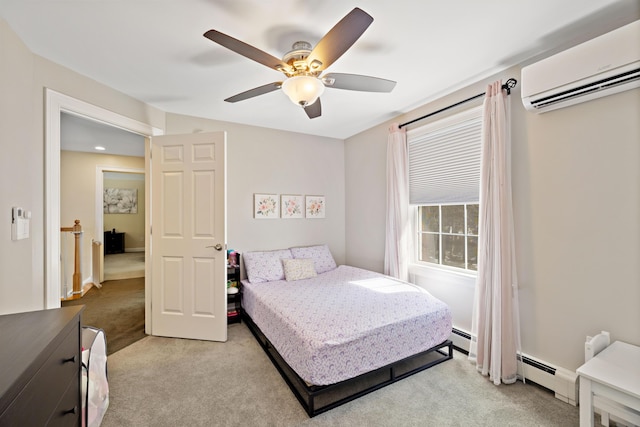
614	374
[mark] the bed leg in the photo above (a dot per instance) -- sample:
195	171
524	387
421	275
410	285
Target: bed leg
312	407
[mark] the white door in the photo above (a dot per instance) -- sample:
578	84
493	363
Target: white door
188	236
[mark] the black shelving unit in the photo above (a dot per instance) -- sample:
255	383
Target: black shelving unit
234	301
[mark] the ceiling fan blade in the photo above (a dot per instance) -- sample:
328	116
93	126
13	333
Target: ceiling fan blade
357	82
256	91
314	110
247	50
339	39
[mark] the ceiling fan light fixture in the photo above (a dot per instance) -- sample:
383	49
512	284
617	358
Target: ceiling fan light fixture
303	90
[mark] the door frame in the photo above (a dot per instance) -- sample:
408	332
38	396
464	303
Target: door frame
55	104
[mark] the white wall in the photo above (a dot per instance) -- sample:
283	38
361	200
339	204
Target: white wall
261	160
576	190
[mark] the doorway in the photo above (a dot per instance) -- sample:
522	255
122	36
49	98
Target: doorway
56	104
119	192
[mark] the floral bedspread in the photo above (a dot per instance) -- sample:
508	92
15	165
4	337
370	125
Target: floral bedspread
345	322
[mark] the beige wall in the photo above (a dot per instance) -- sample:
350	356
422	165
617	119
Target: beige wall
292	163
261	160
576	198
576	195
23	78
78	195
21	262
132	225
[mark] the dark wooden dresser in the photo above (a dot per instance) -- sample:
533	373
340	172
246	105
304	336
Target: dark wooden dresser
40	372
113	242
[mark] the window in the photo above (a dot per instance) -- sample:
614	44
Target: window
444	183
448	235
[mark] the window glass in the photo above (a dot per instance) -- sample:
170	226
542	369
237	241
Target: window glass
447	235
453	251
431	219
472	219
472	251
430	248
453	219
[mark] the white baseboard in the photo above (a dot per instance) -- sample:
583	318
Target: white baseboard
559	380
135	249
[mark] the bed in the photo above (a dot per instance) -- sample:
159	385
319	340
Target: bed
336	333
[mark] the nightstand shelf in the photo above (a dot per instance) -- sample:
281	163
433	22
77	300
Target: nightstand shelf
234	301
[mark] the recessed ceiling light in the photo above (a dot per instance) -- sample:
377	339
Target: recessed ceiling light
99	148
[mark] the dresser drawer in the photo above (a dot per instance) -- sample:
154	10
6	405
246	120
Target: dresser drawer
41	396
68	412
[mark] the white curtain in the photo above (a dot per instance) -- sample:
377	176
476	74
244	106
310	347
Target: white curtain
495	340
396	254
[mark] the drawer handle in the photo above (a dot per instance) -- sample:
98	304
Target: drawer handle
73	411
71	359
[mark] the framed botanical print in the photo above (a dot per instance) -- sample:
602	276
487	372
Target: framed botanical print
120	201
266	206
315	206
291	206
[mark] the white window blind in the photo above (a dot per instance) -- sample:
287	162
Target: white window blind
444	160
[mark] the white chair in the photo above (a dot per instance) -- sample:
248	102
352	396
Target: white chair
592	347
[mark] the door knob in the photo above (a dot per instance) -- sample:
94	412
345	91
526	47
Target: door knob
217	247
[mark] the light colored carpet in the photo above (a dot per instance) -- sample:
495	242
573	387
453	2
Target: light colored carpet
172	382
128	265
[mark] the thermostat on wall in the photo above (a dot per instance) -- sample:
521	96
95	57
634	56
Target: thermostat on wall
20	220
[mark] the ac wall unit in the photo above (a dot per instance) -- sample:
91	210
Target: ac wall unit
599	67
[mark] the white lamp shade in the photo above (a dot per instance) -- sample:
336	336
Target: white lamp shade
303	90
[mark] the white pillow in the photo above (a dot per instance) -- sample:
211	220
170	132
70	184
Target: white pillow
265	266
297	269
320	254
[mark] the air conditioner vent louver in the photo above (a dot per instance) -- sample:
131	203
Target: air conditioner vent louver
576	75
599	85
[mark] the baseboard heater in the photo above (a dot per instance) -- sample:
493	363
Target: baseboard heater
562	382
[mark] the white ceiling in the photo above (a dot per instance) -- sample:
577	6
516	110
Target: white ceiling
81	134
154	50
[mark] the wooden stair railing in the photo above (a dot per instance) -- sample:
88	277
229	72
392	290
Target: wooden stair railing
76	230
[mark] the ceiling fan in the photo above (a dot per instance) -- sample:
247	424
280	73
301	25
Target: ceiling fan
303	65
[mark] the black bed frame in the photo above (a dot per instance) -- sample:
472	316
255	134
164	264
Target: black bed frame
317	399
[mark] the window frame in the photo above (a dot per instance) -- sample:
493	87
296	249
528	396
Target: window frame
418	232
458	195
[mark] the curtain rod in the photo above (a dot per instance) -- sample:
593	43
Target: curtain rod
510	84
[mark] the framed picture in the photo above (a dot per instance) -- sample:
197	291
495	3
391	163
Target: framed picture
291	206
266	206
120	201
315	206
